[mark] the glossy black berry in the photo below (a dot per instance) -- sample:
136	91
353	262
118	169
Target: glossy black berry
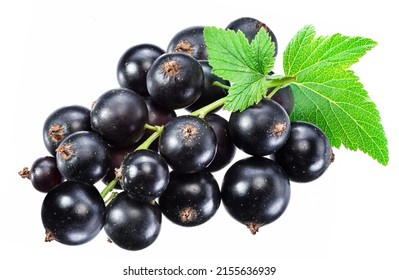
307	153
285	97
226	149
83	156
255	192
210	93
261	129
73	213
144	175
119	116
190	199
250	27
132	224
134	64
189	41
63	122
188	144
43	174
175	80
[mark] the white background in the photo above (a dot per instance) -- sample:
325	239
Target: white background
57	53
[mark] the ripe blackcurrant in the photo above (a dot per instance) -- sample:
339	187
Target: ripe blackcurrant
175	80
73	213
226	149
188	144
134	64
250	27
307	153
43	174
83	156
132	224
144	175
63	122
190	199
261	129
255	192
119	116
189	41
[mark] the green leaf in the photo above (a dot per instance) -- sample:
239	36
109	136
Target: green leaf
330	96
245	65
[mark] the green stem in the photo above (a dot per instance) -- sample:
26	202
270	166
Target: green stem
157	132
202	112
219	84
151	127
277	83
109	187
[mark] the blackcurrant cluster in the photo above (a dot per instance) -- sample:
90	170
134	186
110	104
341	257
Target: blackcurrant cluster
157	163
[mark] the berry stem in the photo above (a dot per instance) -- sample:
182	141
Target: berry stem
219	84
278	82
151	127
202	112
157	132
108	188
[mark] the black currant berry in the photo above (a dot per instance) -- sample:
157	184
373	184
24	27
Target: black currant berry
73	213
188	144
144	175
226	149
133	67
63	122
83	156
43	174
261	129
285	97
189	41
255	192
210	92
307	153
119	116
175	80
132	224
190	199
250	27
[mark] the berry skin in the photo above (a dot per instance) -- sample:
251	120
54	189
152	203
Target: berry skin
175	80
63	122
255	192
250	27
73	213
119	116
133	67
285	97
83	156
261	129
189	41
132	224
188	144
226	149
190	199
144	175
210	92
43	174
307	153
